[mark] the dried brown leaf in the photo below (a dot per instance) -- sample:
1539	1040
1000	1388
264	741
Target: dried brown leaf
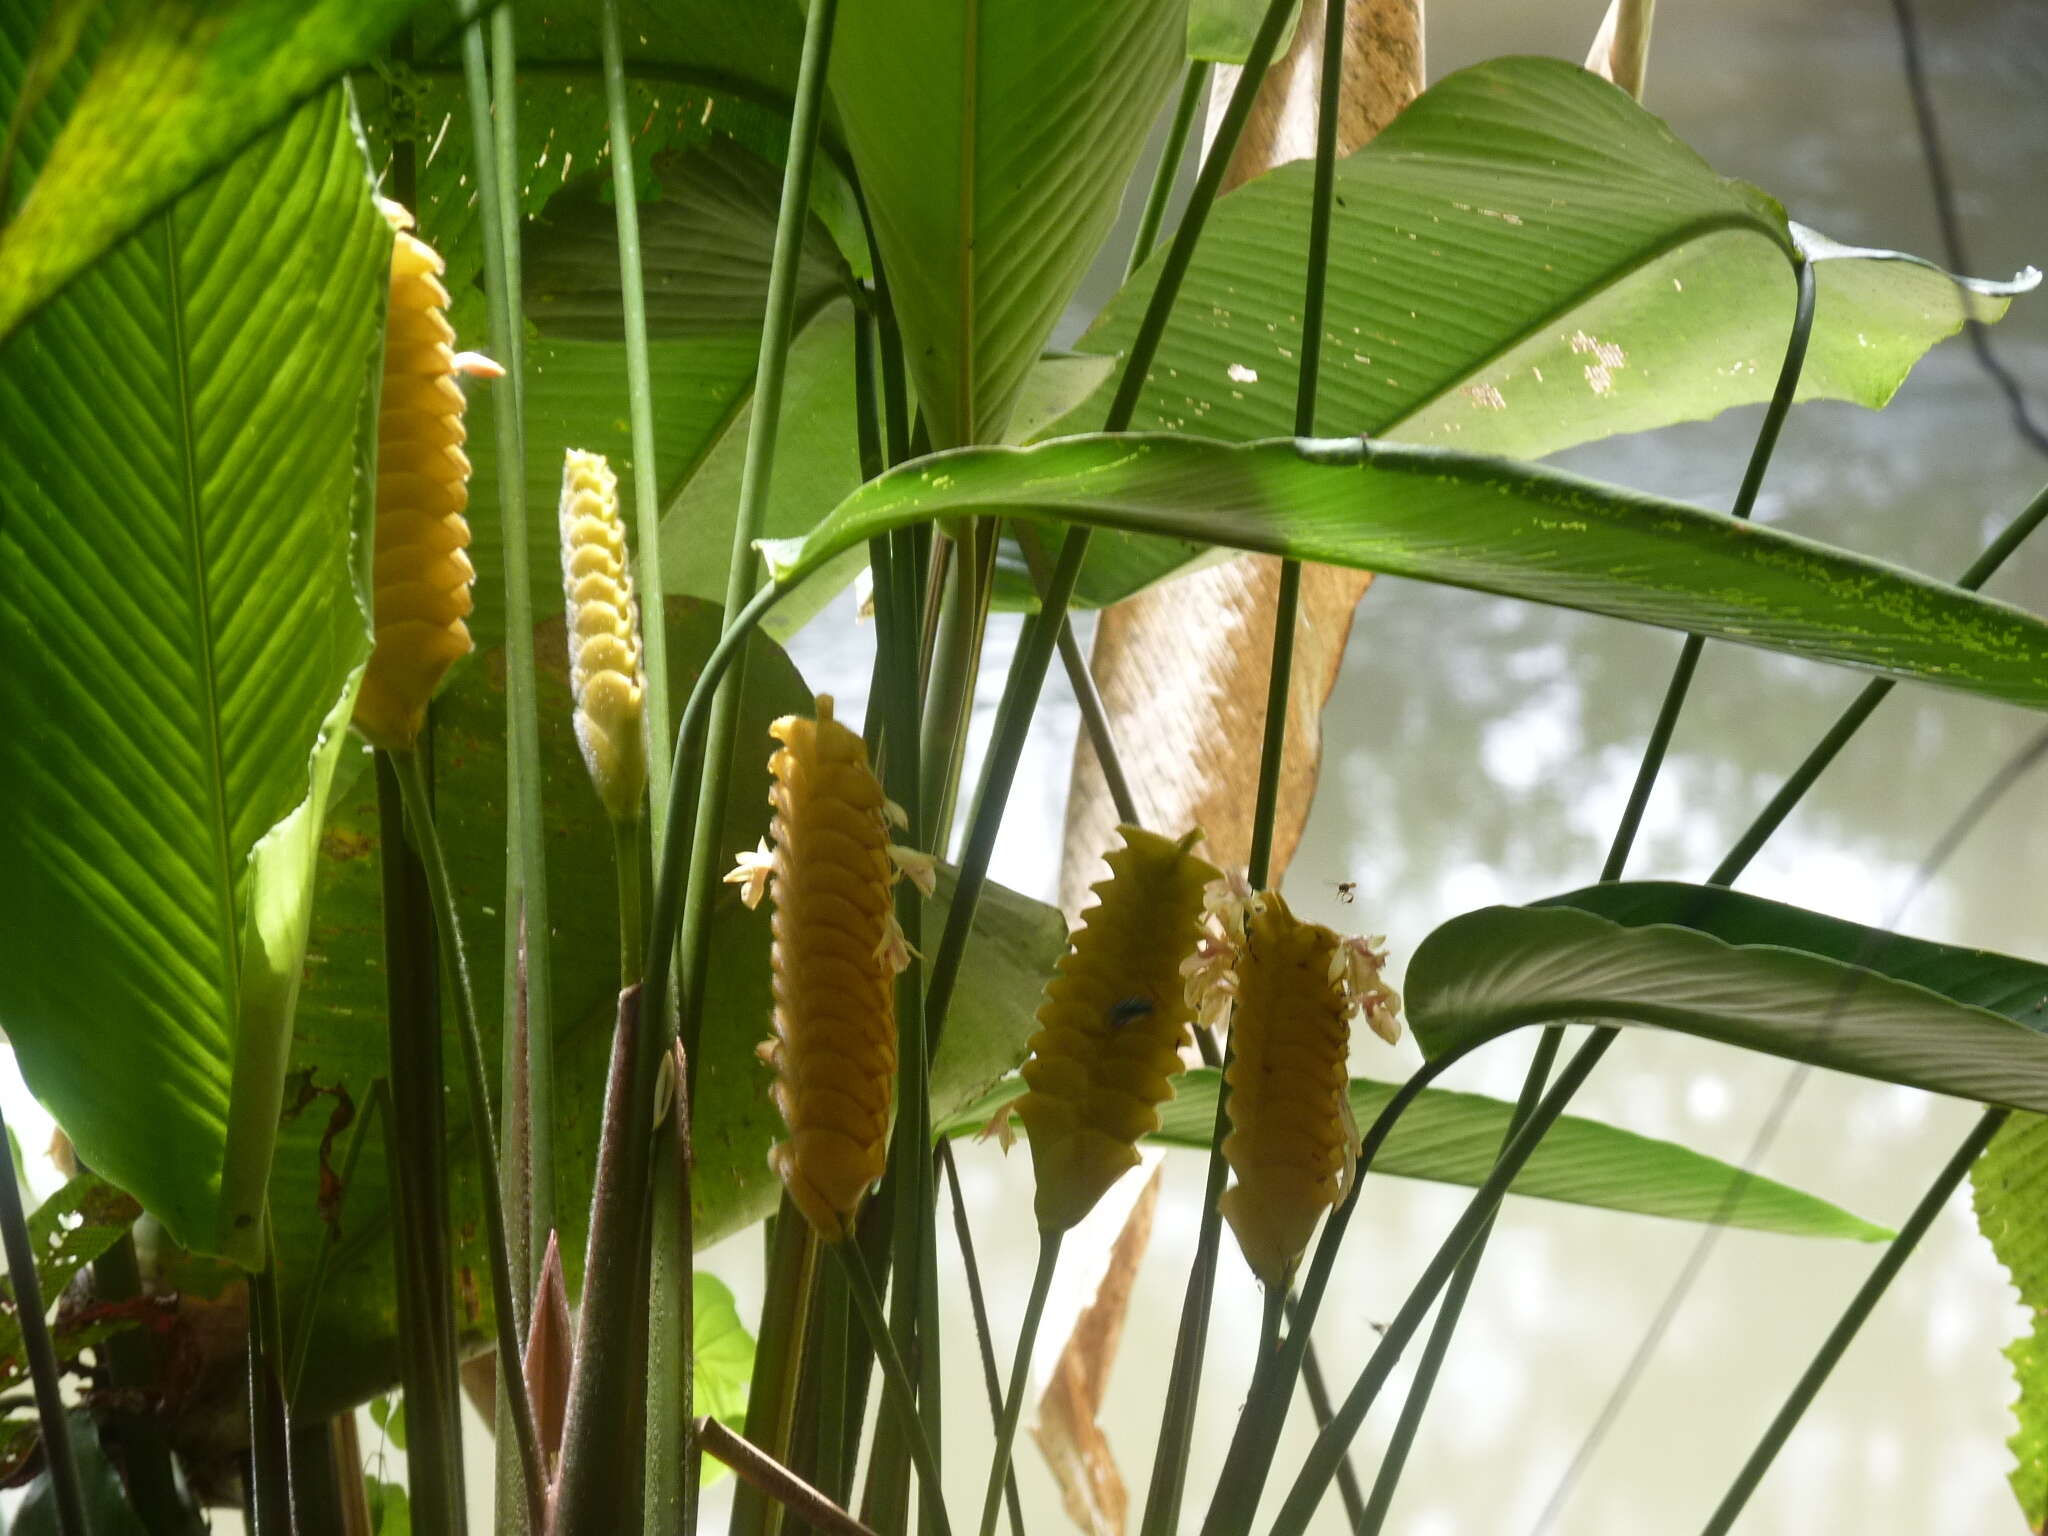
1078	1452
1621	47
1182	667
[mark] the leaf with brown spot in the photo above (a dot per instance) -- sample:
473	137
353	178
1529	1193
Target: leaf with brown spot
1182	666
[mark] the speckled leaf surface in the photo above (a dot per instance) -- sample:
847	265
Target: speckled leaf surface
1492	525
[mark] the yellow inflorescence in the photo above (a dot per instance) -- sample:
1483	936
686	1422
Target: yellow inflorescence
604	634
837	952
1112	1025
422	577
1292	1143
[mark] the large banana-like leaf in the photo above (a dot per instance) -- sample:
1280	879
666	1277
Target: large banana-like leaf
1499	968
994	139
1455	1138
176	89
2010	1189
1523	260
1489	524
183	533
340	1038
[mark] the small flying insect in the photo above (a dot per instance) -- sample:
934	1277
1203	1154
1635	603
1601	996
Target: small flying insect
1347	891
1129	1011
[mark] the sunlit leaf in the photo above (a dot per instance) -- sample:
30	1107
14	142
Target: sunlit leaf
993	142
183	624
1455	1138
151	104
1489	524
1499	968
1523	260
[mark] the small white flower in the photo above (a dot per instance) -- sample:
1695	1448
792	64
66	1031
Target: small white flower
921	868
864	595
895	815
751	873
894	949
1357	966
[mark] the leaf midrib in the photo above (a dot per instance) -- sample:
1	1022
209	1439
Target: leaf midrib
192	507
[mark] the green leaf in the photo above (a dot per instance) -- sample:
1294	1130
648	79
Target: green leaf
1221	31
341	1021
705	247
722	1353
1489	524
176	89
1489	971
1523	260
1455	1138
2010	1191
184	624
390	1507
994	141
107	1510
2016	988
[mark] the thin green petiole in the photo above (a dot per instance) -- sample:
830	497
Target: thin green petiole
626	839
982	1333
1034	650
1020	1369
1194	90
35	1338
896	1383
1844	1332
526	909
1331	1445
762	435
1169	1471
647	573
1647	771
419	815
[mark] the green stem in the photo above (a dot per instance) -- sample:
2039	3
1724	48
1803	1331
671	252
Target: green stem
419	814
1647	771
1020	1370
1689	656
983	1334
269	1455
1250	1458
1394	1460
1802	778
1844	1332
416	1164
1319	1405
526	905
671	1496
639	404
1194	90
1331	1445
778	1360
896	1383
626	852
764	426
1094	713
1035	647
1169	1474
35	1337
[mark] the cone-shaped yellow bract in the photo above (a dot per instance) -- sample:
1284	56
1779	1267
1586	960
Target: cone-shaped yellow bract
1292	1143
1112	1025
422	577
836	955
604	634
